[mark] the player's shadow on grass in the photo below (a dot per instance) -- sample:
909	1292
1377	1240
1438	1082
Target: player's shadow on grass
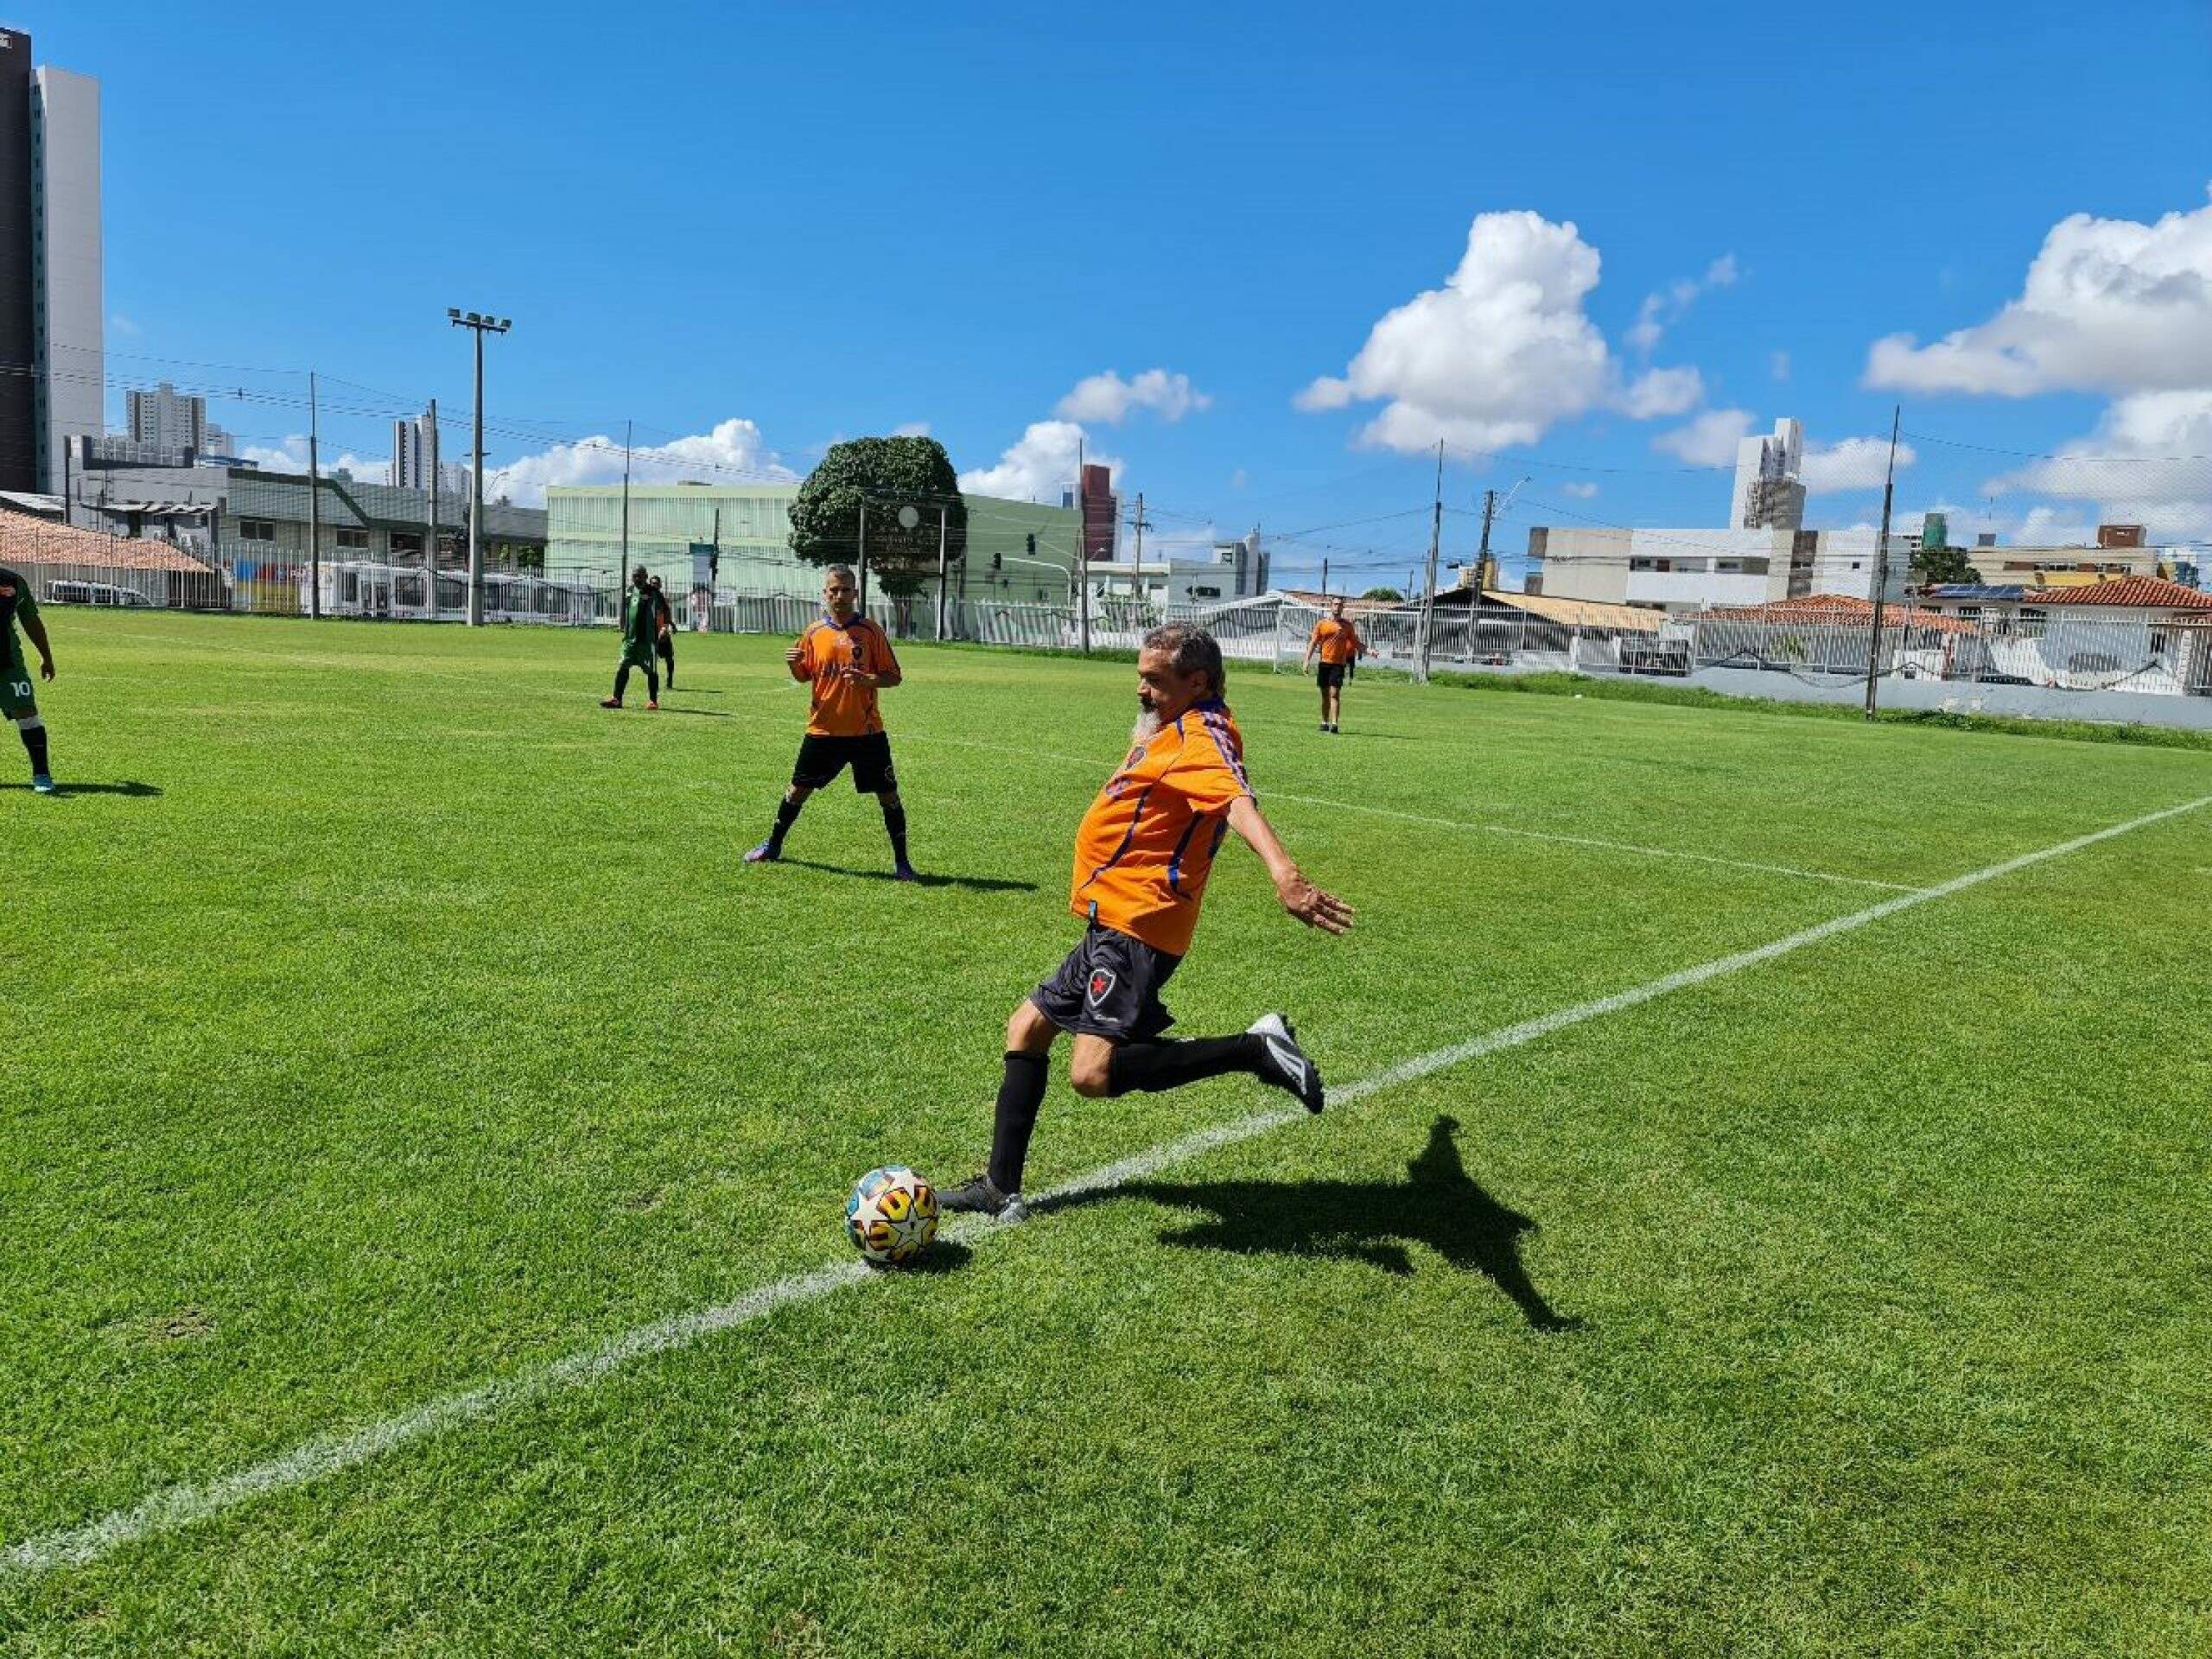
135	791
1440	1204
974	883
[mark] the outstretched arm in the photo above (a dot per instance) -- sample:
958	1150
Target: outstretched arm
1308	902
35	628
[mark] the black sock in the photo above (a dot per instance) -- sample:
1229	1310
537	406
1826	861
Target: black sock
1021	1091
894	821
786	816
1152	1067
35	741
621	679
652	685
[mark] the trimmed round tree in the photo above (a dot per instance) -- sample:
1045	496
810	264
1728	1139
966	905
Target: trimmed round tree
903	482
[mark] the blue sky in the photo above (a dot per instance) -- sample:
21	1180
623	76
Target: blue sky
827	222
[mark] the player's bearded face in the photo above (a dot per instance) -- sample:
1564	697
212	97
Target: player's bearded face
1162	693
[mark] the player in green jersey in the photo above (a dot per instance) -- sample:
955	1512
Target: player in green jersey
16	702
645	614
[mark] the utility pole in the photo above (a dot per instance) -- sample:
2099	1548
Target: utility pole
863	555
314	504
1083	547
627	427
1325	576
1482	559
430	546
1428	594
1140	524
943	514
1881	565
479	324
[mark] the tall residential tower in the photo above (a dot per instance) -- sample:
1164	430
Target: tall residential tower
52	333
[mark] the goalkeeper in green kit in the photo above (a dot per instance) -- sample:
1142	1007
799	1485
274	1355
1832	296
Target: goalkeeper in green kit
16	702
645	618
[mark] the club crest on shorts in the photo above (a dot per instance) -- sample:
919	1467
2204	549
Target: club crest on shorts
1102	985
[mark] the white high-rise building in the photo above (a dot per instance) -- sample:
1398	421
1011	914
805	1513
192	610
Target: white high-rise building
1770	491
411	449
51	306
166	418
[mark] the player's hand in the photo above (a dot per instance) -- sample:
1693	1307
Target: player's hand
861	677
1311	905
46	668
792	656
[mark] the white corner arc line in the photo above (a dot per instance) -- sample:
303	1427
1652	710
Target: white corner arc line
176	1507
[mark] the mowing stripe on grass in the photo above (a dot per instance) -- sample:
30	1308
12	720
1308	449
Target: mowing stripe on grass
1092	764
181	1506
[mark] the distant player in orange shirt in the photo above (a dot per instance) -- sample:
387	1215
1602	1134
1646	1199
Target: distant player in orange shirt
1338	642
1141	859
845	659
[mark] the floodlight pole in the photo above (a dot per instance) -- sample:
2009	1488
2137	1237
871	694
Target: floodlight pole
479	324
1882	566
942	520
430	546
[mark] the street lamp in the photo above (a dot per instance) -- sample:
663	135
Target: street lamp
479	324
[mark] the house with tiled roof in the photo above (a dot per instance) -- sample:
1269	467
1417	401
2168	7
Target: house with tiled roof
2128	633
63	563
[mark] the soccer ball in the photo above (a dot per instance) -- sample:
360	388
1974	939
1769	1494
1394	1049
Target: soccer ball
892	1216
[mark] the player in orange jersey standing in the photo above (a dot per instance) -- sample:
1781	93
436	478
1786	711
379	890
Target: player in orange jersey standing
1141	859
1339	645
845	659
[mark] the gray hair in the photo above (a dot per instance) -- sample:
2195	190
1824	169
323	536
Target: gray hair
844	570
1190	650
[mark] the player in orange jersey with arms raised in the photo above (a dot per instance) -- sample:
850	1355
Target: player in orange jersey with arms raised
1143	856
845	660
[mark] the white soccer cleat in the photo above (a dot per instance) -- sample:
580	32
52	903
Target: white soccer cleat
1285	1066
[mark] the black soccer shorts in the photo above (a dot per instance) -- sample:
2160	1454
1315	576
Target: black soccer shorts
1331	675
1110	987
821	759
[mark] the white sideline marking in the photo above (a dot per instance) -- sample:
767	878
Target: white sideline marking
181	1506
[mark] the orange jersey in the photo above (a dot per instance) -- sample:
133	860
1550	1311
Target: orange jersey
1147	846
840	707
1337	642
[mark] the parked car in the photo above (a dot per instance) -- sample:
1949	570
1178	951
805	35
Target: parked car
96	593
1656	656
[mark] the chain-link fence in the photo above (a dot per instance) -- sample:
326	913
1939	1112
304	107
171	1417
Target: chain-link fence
2143	655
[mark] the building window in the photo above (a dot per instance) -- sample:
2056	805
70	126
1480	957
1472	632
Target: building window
353	541
406	545
257	530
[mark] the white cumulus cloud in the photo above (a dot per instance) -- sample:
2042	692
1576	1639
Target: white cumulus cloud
1851	464
1709	440
1661	311
1580	491
1110	398
2146	463
2108	304
1038	465
1499	355
733	452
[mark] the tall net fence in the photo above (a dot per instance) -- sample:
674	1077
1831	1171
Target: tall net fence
2024	646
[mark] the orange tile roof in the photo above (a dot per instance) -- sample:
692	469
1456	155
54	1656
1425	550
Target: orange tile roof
26	541
2149	592
1841	609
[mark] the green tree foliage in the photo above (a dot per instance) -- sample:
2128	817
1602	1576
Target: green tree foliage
1935	565
1388	595
887	475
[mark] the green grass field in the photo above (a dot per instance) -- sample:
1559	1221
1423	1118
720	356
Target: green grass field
413	1028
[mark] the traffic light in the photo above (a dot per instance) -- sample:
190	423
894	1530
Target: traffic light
1031	539
996	563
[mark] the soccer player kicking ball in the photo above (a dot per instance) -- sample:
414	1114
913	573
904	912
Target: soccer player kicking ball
846	660
1339	644
644	619
1141	859
16	702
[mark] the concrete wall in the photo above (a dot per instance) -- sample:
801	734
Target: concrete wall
2022	701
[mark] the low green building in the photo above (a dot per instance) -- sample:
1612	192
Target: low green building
1019	552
